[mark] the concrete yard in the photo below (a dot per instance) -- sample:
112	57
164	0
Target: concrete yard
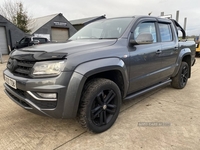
163	119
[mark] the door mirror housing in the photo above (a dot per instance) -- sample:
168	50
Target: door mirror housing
143	38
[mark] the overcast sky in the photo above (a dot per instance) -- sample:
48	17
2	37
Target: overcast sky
76	9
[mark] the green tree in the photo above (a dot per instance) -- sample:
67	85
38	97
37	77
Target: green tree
16	13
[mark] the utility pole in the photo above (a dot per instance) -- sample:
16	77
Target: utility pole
177	15
185	22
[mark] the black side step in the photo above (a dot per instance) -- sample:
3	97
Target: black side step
148	89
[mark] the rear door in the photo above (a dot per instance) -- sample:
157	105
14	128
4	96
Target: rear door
169	48
145	61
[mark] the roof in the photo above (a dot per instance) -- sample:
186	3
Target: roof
86	20
36	23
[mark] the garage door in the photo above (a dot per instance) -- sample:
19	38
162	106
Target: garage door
3	42
59	34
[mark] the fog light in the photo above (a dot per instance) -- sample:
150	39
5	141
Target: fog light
43	96
47	95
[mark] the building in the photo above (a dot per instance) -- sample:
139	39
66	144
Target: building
9	35
54	27
79	23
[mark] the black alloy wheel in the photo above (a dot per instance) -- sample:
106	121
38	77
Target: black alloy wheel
100	105
180	80
104	107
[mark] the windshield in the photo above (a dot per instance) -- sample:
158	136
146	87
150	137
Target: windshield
104	29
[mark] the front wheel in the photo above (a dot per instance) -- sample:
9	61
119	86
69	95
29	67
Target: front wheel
100	105
180	80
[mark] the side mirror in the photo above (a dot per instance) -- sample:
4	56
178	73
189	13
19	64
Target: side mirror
143	38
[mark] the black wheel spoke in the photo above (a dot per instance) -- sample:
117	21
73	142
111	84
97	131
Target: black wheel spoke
111	106
185	71
109	97
101	118
99	99
110	111
184	78
103	95
96	109
96	114
104	117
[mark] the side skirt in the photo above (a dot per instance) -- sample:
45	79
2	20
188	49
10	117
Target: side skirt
147	90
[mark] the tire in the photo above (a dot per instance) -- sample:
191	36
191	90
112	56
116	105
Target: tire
100	105
180	80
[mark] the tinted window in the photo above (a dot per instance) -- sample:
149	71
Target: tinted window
146	27
25	41
42	40
165	32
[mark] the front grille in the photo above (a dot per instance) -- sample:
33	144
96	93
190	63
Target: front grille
20	67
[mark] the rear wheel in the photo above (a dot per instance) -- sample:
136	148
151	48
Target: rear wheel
180	80
100	105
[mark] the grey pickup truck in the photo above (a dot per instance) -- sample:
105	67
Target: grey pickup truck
104	63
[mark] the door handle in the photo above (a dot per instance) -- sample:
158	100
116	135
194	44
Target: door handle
158	51
175	48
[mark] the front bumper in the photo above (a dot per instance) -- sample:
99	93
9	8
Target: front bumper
30	102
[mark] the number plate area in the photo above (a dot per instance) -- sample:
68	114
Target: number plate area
10	82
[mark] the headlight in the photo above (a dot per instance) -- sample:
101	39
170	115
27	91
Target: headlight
47	68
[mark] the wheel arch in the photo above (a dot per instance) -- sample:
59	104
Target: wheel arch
113	69
184	55
110	68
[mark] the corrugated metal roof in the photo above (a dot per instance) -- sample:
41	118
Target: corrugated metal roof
36	23
85	20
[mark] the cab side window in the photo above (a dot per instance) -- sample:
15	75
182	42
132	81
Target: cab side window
25	41
146	27
165	32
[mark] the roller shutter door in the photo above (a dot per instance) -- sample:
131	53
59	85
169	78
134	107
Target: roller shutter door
59	34
3	41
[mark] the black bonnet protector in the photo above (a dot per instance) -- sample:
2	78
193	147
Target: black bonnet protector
53	51
37	55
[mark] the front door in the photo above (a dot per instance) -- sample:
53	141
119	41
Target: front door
145	61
